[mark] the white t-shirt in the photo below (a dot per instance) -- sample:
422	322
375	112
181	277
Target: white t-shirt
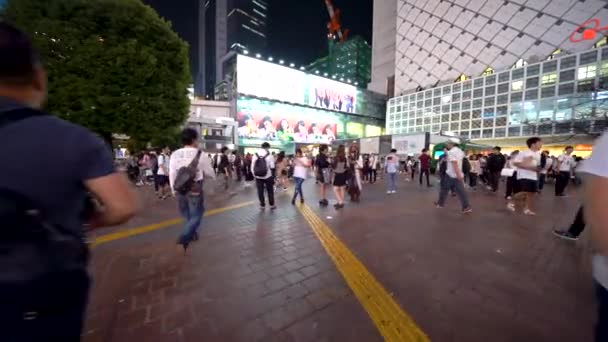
183	157
530	158
454	155
597	165
566	162
161	162
270	164
299	170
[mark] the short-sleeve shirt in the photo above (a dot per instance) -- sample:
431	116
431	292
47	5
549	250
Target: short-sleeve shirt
533	159
566	163
47	160
597	165
455	154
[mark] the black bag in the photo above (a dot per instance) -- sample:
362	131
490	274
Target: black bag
32	247
260	167
184	179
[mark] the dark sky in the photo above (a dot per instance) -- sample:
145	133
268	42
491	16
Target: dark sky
297	29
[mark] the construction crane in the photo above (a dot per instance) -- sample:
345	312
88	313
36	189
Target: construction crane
334	25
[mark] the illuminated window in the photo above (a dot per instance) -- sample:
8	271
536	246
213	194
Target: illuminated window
488	71
604	69
517	85
586	72
549	78
461	78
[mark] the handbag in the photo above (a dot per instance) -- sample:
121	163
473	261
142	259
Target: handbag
507	172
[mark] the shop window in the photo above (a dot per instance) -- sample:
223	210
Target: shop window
549	78
517	85
586	72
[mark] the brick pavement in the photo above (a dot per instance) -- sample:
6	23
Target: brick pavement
254	276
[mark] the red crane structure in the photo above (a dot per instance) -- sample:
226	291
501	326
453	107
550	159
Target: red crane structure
334	25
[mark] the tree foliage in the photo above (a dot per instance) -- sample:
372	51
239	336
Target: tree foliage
114	66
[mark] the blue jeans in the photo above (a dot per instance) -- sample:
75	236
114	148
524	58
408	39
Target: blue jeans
191	208
298	190
392	181
454	184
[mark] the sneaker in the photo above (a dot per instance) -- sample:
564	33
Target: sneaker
301	201
566	235
389	192
529	212
467	210
509	198
293	201
323	203
273	207
394	191
511	207
262	207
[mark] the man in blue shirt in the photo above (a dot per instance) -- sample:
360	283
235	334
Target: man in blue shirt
55	165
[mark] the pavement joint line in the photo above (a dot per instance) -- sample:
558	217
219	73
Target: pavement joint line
129	232
393	323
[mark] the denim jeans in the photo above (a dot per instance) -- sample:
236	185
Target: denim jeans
392	181
298	188
448	183
601	328
191	208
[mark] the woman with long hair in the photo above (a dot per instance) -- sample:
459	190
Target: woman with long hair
281	168
340	169
355	162
301	165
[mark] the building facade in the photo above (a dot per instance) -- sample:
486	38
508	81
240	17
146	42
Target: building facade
562	96
383	47
348	61
438	41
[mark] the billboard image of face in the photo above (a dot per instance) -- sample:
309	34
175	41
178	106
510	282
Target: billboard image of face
332	95
273	121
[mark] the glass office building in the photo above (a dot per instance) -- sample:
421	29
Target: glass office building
560	96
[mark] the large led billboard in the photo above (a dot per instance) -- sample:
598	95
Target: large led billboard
263	79
275	121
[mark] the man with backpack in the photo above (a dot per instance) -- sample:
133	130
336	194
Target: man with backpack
44	282
453	180
261	166
187	169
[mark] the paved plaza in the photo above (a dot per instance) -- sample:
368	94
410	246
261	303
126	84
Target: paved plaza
389	268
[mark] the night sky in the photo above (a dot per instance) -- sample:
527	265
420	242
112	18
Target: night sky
297	29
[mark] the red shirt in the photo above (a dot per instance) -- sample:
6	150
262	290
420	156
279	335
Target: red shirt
425	160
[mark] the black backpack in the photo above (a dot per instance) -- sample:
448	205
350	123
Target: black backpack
260	167
184	179
31	247
466	165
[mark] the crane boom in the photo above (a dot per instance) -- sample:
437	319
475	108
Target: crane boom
334	24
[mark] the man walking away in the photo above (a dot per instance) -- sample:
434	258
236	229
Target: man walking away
545	163
528	167
576	228
189	192
391	168
454	178
565	163
44	283
595	199
495	164
261	166
425	166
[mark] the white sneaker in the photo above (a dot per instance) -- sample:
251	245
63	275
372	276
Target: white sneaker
394	191
511	207
389	192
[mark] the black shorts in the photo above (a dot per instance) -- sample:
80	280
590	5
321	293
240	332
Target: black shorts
527	185
340	179
162	180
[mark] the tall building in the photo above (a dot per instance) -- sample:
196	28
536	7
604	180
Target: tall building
213	28
383	47
349	61
500	70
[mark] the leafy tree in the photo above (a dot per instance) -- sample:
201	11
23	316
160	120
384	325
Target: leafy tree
114	66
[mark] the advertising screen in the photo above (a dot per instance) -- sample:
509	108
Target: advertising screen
328	94
269	80
280	122
264	79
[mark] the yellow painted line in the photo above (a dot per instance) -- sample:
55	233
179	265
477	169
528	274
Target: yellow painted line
123	234
388	317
